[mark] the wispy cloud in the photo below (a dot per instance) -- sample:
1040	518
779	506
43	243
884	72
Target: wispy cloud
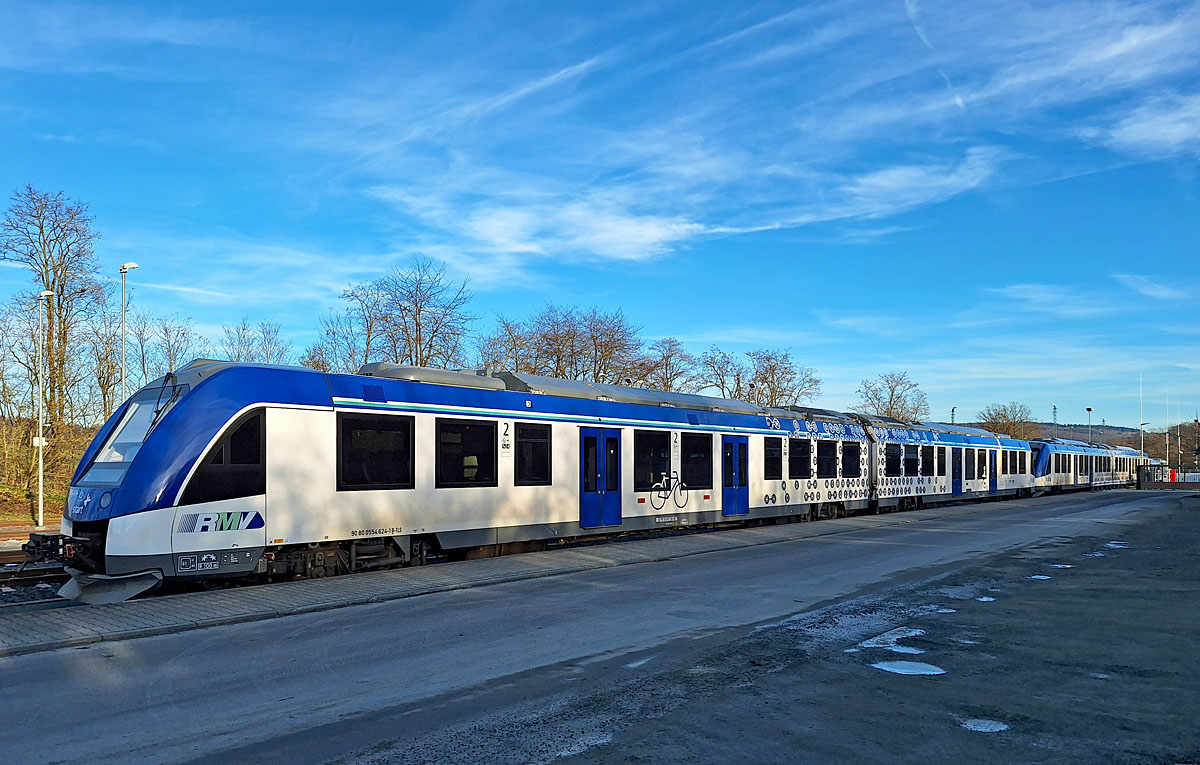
1052	299
1150	288
1163	125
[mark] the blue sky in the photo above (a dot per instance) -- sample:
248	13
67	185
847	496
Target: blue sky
999	197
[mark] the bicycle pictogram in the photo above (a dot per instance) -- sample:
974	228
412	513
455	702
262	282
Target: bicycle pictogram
668	488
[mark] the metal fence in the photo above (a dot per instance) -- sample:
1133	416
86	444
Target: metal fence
1169	477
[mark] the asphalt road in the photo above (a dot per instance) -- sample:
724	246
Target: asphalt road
702	658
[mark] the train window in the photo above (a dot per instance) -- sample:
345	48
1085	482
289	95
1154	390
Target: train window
826	459
532	455
891	459
727	464
590	463
743	470
1021	461
983	454
234	466
772	458
926	460
696	468
651	458
970	464
612	463
466	453
799	458
375	451
910	460
1003	461
941	460
851	459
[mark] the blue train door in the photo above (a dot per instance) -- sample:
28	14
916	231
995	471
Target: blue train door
956	471
992	477
599	477
735	473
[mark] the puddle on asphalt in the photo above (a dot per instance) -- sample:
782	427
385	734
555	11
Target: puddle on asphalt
1116	544
889	641
909	668
985	599
1062	565
1039	576
980	725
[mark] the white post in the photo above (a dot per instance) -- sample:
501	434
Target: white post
1142	427
41	415
125	268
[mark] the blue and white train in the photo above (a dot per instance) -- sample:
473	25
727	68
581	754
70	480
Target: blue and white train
229	471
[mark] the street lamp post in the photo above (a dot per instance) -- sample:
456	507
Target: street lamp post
952	410
125	268
1142	430
1054	416
43	296
1089	411
1196	430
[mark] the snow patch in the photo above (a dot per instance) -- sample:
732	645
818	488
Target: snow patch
909	668
985	599
639	662
1116	544
1062	565
980	725
889	641
1040	576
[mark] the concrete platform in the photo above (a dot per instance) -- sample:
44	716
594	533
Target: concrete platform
47	630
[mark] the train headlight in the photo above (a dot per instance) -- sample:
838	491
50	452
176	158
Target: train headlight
105	500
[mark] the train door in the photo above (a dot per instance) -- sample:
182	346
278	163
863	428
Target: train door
735	470
992	477
600	477
956	472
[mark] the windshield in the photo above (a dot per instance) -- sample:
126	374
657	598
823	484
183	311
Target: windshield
144	410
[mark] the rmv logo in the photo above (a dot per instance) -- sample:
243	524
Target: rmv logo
220	522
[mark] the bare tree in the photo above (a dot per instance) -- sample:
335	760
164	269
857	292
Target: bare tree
779	382
893	395
140	328
52	236
423	315
509	347
671	368
104	341
239	342
1013	418
724	373
611	347
178	343
269	346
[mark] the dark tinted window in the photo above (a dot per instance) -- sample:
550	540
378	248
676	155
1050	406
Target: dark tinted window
466	453
799	458
374	452
891	459
926	460
651	458
218	477
826	459
591	464
743	458
983	469
772	458
697	461
727	464
941	460
533	455
970	464
910	460
612	463
851	455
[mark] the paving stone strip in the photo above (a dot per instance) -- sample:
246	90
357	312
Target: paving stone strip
35	631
